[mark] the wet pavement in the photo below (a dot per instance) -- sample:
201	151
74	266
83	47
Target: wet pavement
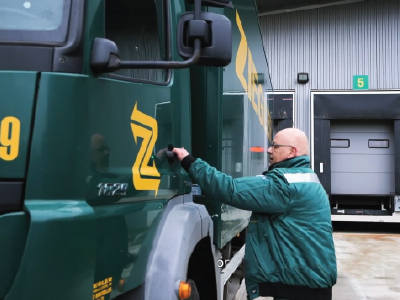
368	266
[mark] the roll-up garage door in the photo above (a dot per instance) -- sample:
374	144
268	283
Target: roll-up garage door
362	157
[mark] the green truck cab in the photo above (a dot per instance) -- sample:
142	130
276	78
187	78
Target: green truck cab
93	95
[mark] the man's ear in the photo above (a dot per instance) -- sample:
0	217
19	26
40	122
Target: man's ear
293	151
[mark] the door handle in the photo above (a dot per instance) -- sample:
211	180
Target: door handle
171	156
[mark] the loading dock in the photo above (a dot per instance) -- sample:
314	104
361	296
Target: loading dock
354	137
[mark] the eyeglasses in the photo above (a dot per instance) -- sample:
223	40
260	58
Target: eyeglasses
275	146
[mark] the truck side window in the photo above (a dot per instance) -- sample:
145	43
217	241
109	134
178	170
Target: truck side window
134	26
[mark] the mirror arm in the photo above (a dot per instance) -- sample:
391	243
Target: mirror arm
197	9
163	64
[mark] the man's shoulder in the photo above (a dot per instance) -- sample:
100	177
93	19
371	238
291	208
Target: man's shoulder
276	175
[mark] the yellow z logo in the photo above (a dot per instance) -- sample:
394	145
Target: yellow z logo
147	130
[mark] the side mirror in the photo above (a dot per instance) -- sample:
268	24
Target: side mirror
215	34
203	38
105	56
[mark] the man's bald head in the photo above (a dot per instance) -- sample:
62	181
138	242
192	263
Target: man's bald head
288	143
295	138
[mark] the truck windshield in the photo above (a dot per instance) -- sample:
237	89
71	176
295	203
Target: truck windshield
34	20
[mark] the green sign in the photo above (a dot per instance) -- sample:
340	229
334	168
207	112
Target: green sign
360	82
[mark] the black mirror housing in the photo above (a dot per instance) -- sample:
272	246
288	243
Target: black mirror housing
105	56
215	3
215	33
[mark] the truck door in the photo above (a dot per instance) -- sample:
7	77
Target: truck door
132	117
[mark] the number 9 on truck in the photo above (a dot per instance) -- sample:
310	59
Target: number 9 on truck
10	129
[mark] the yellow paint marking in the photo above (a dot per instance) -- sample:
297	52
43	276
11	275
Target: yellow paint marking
253	89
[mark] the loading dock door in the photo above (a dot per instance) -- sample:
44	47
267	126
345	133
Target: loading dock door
372	107
362	157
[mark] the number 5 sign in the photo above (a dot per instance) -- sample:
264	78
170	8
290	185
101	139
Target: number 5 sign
360	82
10	129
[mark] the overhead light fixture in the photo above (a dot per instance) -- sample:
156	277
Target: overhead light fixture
302	78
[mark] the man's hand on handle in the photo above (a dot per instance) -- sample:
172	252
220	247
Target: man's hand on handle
184	157
181	153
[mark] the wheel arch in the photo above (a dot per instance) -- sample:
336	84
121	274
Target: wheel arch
184	233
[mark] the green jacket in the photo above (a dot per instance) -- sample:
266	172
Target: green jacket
289	238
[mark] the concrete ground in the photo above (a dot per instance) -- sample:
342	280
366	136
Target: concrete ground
368	266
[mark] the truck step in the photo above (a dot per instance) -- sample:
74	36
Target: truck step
241	292
232	265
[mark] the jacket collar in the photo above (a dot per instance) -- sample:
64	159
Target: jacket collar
294	162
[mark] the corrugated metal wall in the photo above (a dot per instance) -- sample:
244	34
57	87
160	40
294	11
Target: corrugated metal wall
332	44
